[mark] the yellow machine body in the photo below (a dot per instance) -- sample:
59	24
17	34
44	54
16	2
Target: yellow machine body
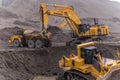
79	30
78	63
15	37
30	37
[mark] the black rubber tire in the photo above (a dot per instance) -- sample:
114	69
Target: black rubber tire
38	44
48	43
69	77
73	77
67	43
31	43
16	43
78	78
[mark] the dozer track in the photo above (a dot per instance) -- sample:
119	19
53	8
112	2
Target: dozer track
76	75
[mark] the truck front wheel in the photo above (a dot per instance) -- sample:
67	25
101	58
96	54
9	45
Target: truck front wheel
16	43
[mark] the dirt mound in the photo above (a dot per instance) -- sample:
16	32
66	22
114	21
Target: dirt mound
115	75
4	13
7	32
24	64
107	51
17	22
58	34
54	29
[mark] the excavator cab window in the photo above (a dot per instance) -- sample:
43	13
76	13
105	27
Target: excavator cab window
83	28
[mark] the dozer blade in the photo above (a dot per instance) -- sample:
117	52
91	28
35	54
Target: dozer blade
109	74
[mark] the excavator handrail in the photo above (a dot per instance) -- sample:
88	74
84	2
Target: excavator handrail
59	6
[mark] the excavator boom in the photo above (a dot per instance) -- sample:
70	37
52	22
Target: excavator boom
66	12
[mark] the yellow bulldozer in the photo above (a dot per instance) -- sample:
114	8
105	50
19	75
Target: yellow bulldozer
88	64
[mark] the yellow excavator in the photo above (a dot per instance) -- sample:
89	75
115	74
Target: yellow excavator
80	31
88	64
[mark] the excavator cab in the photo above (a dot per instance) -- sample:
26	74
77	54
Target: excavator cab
90	56
83	28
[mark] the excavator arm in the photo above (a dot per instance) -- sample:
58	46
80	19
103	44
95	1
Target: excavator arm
66	12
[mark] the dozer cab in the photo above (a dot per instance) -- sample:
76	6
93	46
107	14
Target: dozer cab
88	64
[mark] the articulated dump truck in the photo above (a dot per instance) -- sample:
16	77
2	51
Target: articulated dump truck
30	38
88	64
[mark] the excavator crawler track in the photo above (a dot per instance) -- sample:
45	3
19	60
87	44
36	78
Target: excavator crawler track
78	74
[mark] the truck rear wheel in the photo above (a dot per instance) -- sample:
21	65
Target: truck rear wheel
48	43
16	43
69	77
38	44
31	43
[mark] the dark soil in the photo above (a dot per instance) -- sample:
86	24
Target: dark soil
7	32
24	64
